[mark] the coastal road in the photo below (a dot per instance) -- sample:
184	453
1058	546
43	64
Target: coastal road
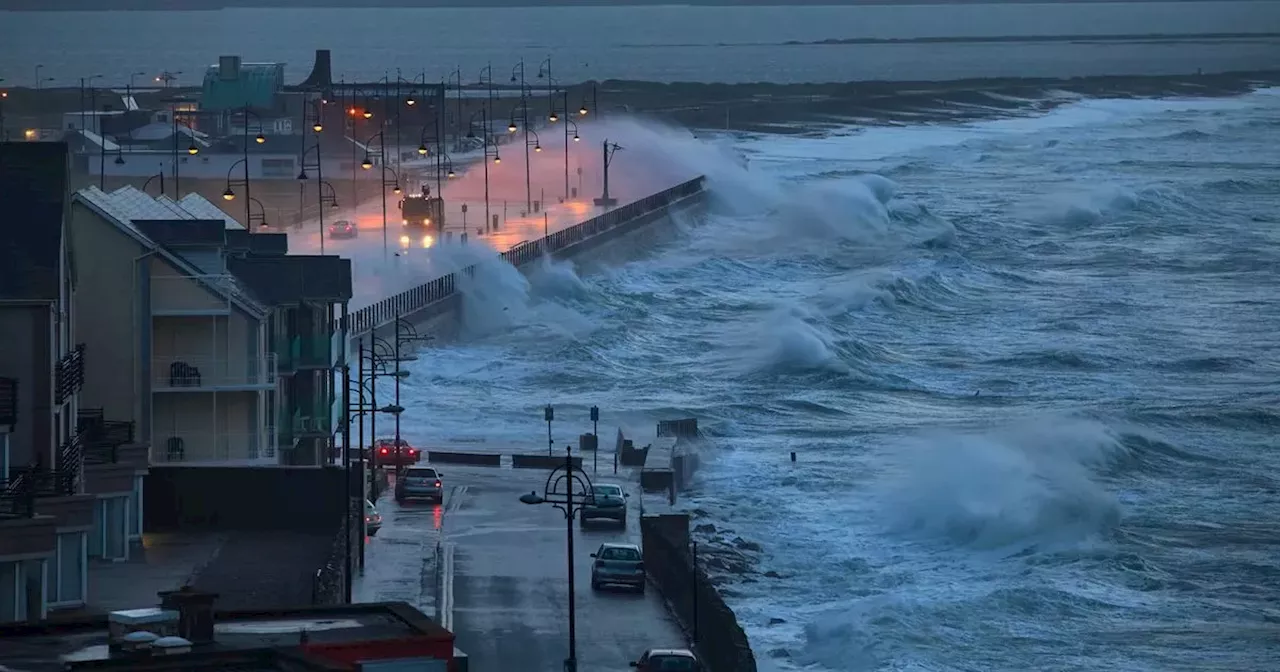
400	558
509	582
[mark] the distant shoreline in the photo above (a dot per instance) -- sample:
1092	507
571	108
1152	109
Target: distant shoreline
217	5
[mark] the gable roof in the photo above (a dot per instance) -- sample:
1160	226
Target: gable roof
34	176
202	208
119	208
295	278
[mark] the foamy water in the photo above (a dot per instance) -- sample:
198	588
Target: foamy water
1028	367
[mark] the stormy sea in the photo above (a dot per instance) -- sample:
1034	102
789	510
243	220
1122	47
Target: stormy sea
1027	366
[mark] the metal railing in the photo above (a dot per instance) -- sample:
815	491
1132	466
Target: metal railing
102	438
302	352
18	495
69	374
8	401
184	372
228	447
371	317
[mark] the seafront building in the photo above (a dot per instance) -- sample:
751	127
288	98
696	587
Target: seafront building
140	331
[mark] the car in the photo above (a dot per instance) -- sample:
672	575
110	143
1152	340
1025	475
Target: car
608	501
343	229
660	660
420	483
372	519
618	565
385	453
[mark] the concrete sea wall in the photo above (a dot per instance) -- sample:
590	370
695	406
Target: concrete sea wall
439	299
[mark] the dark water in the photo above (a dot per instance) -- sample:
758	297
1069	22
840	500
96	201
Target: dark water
707	44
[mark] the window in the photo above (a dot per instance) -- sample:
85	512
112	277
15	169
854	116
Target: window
606	491
115	528
620	554
71	568
98	533
9	592
421	473
277	168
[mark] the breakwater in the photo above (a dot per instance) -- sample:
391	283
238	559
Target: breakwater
441	294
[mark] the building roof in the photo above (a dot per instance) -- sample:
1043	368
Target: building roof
33	199
126	205
178	233
242	242
253	84
243	640
203	208
281	280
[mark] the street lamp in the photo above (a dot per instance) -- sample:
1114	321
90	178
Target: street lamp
404	333
524	107
609	148
261	217
229	194
87	82
471	133
568	488
382	161
567	123
159	175
192	148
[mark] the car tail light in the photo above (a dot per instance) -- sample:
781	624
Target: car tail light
384	451
437	484
368	519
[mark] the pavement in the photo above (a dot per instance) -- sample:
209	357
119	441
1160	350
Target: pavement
503	575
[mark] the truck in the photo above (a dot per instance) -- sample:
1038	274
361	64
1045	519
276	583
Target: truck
422	210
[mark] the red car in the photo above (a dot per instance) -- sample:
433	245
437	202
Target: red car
385	453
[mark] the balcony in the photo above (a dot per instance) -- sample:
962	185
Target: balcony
192	295
69	375
178	373
305	352
211	448
8	402
18	495
102	439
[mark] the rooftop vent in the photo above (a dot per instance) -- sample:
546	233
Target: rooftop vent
195	612
153	621
138	640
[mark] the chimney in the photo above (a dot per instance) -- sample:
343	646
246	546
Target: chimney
195	612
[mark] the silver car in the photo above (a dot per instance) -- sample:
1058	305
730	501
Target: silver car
420	483
608	501
619	565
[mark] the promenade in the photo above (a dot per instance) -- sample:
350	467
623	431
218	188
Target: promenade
503	588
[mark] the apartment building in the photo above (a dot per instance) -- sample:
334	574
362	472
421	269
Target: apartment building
182	344
70	478
230	346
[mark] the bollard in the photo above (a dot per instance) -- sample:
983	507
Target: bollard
537	206
793	456
463	238
495	222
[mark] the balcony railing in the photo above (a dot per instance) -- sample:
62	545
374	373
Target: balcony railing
316	422
18	495
219	448
197	372
69	374
8	401
304	352
102	438
179	295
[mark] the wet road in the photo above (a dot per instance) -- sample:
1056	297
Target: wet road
507	597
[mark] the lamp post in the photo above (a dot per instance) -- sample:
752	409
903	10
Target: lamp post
86	82
192	149
364	406
102	156
524	106
457	115
148	182
229	194
595	437
568	488
4	135
392	351
261	217
167	77
317	126
567	123
605	200
367	164
484	124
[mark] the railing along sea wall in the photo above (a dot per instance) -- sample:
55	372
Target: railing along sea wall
372	317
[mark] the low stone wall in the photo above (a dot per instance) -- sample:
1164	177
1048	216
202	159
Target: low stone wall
709	623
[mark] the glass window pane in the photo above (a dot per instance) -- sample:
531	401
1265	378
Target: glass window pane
115	522
95	535
8	593
70	568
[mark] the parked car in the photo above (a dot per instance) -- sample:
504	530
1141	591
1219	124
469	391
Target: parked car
420	483
608	501
660	660
618	565
372	519
343	229
386	455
